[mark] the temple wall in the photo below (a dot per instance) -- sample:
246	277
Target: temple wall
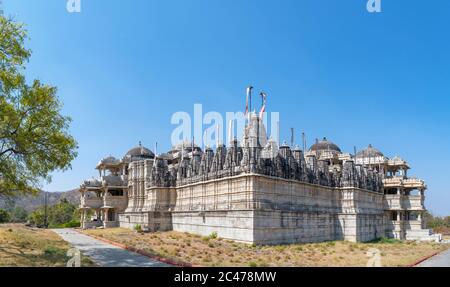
266	210
154	214
149	221
231	193
223	206
159	199
284	227
291	211
230	224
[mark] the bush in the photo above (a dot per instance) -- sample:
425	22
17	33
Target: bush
299	248
19	215
4	216
385	240
138	228
54	253
37	217
280	248
72	224
252	264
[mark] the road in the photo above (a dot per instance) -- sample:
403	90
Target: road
440	260
104	254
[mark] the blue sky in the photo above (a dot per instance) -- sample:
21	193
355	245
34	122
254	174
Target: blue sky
330	68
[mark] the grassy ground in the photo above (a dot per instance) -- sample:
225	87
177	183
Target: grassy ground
210	251
30	247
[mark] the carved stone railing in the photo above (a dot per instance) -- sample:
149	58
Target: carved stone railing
114	201
113	180
413	202
393	182
393	202
92	202
414	183
403	202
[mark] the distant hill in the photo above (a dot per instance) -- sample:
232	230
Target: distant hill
30	203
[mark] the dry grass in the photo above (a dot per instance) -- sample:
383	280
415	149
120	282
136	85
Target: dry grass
21	246
209	251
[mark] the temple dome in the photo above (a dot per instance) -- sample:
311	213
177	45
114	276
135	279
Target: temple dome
297	148
370	151
140	151
186	145
110	160
165	156
324	145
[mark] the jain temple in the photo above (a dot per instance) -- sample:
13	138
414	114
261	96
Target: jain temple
255	191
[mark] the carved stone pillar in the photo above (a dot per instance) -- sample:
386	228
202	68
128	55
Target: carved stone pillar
82	218
106	215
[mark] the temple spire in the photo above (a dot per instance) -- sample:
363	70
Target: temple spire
230	131
263	105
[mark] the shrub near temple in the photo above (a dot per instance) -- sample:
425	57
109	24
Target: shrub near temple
4	216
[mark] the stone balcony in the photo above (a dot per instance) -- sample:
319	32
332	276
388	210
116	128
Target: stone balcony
414	183
113	180
393	182
91	202
115	201
403	202
413	202
393	202
397	181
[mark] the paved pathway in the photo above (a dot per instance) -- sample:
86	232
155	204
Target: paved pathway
440	260
105	254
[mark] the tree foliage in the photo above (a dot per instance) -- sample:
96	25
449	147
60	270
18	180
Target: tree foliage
37	217
18	215
62	214
34	138
437	223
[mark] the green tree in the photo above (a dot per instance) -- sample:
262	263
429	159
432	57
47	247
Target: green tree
61	213
447	221
4	216
37	217
18	215
34	138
